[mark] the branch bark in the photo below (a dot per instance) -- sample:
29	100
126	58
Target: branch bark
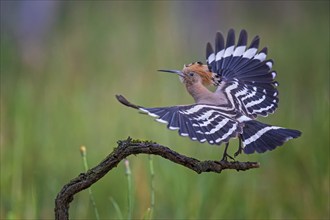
129	147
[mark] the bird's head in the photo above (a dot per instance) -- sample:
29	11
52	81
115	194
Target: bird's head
194	73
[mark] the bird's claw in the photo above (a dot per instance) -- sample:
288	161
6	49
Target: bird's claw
226	156
238	152
240	149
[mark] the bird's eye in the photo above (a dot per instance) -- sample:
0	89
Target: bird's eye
191	74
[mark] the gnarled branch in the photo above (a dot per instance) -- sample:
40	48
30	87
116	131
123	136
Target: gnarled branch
129	147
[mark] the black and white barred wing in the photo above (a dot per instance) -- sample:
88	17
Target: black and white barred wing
243	74
200	122
261	137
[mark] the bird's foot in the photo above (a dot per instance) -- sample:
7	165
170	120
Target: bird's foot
238	152
226	156
240	149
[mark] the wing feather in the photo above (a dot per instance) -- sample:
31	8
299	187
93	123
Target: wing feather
200	122
244	74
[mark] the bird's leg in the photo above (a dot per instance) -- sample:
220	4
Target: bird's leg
239	151
225	155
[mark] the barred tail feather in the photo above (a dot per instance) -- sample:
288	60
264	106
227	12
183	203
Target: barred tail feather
261	137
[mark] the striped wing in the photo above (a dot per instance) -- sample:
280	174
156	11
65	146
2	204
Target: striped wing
200	122
261	137
244	74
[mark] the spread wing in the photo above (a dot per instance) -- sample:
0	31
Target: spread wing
243	74
200	122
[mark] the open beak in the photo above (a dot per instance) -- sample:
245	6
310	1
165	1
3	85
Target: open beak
178	72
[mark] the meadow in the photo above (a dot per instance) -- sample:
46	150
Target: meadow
58	93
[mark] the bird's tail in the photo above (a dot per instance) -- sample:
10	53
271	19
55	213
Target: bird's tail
261	137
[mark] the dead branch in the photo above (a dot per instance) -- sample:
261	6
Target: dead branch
129	147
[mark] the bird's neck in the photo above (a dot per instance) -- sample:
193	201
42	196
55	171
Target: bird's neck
199	92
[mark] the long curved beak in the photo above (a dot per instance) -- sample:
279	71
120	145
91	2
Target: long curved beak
178	72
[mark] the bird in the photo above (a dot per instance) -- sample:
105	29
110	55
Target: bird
245	88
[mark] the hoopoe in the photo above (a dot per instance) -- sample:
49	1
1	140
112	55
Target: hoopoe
245	89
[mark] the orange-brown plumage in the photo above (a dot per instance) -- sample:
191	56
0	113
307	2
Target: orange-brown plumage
201	70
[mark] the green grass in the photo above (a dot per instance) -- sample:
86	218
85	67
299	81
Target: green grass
83	152
99	50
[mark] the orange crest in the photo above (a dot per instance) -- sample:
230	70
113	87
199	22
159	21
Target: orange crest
201	70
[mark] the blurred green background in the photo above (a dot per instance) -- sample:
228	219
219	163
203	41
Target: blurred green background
63	62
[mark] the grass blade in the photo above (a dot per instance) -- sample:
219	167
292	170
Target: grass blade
152	187
129	189
116	206
83	152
